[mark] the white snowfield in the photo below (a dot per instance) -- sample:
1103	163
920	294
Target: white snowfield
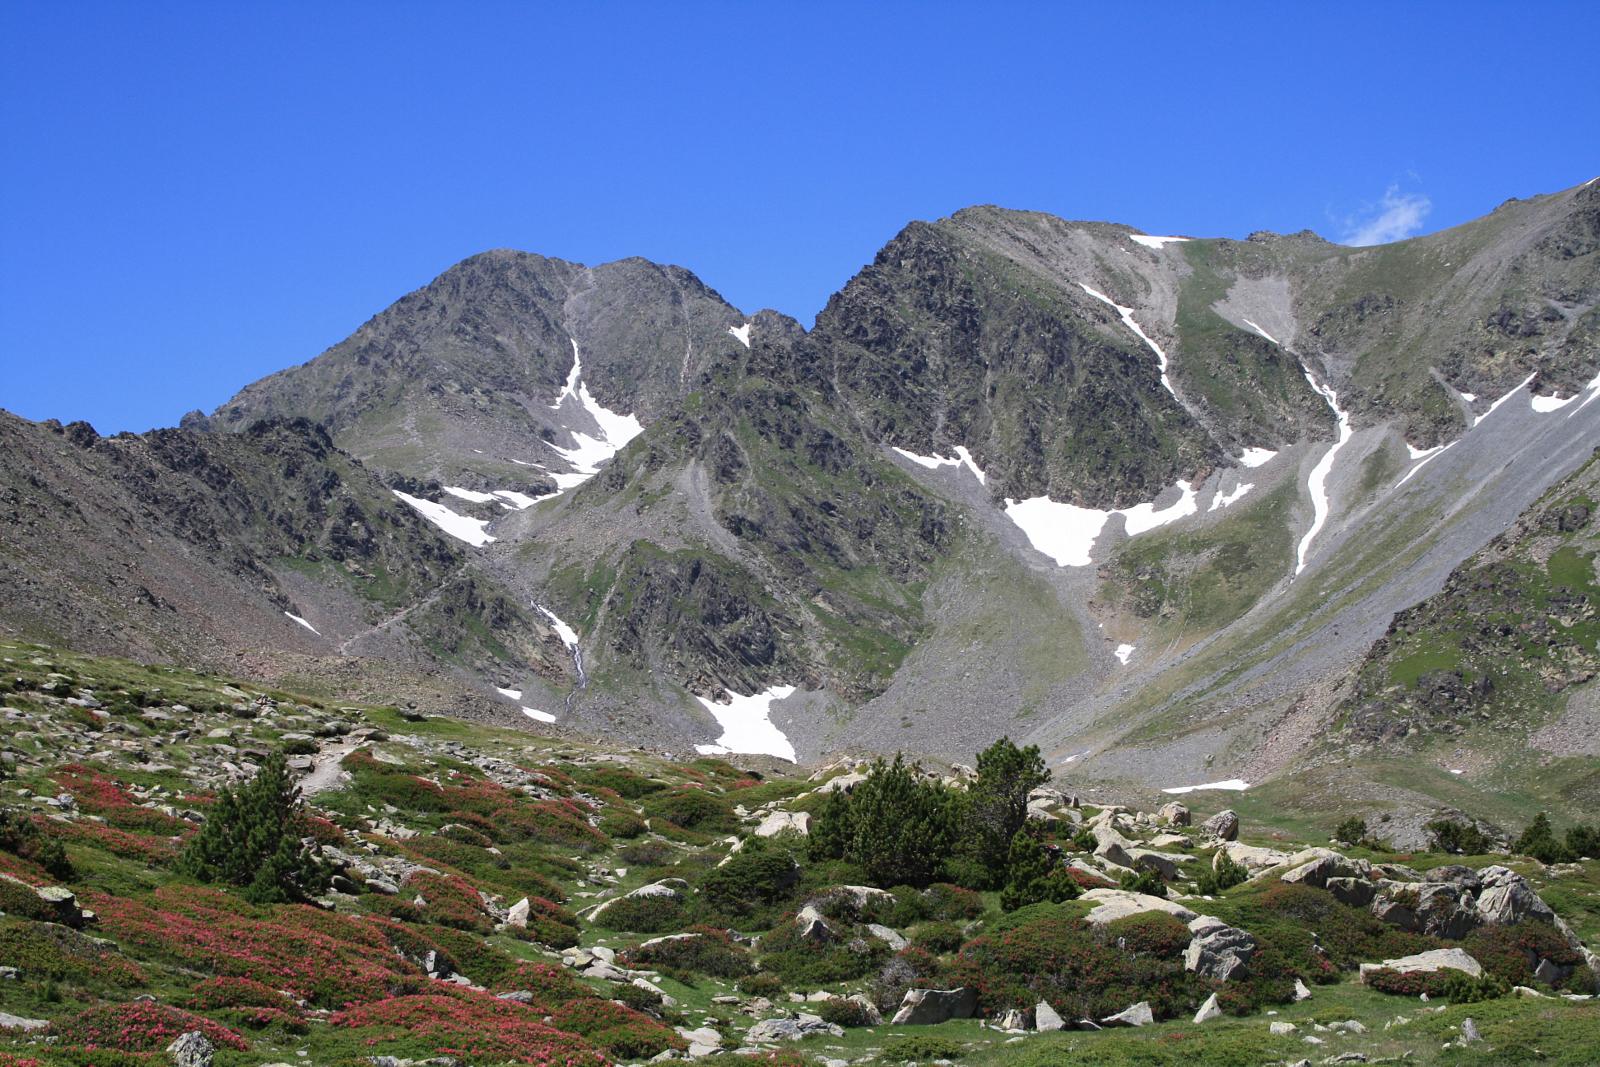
469	494
742	333
1498	403
1127	320
1154	242
302	622
538	716
1124	653
1237	785
1317	485
588	453
1255	457
747	725
962	458
1422	457
509	694
1593	389
1262	332
568	635
1067	533
462	527
1222	500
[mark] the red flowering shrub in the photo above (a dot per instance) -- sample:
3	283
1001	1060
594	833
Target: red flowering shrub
1407	984
49	951
320	830
139	1027
449	900
214	994
328	958
621	1031
1512	952
1078	969
101	795
473	1026
1153	933
1087	880
553	822
8	1060
143	848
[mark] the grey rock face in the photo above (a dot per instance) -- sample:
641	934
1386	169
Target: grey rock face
1218	951
924	1007
191	1049
1045	1018
1224	825
1137	1015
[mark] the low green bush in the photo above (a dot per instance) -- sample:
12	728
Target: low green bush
645	915
919	1048
842	1011
701	950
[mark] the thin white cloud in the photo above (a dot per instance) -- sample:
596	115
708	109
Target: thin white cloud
1397	216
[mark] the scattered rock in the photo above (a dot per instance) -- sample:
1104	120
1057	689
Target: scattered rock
1208	1011
1045	1018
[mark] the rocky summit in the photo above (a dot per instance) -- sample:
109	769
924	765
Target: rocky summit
1077	646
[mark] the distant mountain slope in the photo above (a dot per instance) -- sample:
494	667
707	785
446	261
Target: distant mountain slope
1146	500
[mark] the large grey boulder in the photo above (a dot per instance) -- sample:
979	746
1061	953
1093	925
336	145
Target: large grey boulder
191	1049
770	1031
1218	951
1173	813
888	935
1223	826
1113	904
925	1007
812	926
1317	870
1209	1010
784	821
1506	899
1137	1015
17	1022
1046	1019
1439	959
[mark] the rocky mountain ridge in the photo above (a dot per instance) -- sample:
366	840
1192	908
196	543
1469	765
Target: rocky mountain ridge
1146	498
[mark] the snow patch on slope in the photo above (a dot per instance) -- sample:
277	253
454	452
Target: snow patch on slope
1317	484
747	725
1496	405
1067	533
302	622
588	452
1127	320
1222	500
1255	457
1123	653
462	527
962	458
1154	242
1237	785
538	716
1262	332
741	333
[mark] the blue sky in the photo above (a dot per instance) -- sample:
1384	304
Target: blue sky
195	195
